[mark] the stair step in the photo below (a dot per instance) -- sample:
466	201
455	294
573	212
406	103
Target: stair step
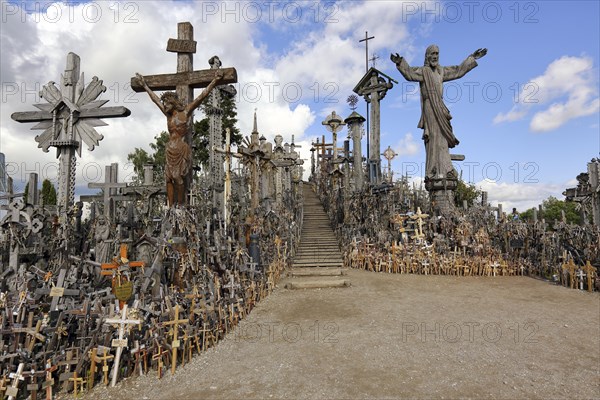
316	284
318	261
318	264
325	271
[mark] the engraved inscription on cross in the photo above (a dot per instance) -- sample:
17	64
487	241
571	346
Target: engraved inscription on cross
68	119
183	82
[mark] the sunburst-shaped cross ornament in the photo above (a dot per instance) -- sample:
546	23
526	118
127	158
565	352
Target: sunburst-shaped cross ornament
68	120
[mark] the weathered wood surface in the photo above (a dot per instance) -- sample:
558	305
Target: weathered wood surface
194	79
38	116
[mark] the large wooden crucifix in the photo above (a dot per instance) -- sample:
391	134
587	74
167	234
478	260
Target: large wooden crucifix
179	107
69	118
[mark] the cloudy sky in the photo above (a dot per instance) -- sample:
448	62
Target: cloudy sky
527	117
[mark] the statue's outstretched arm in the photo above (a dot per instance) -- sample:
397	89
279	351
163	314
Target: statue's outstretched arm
155	99
409	73
479	53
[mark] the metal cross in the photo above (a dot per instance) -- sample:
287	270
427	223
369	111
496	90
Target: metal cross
366	40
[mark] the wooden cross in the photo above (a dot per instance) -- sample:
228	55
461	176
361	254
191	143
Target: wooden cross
139	352
92	372
115	268
68	119
58	291
47	384
77	381
571	267
71	358
13	389
175	344
104	359
186	79
321	147
33	333
194	295
590	271
158	357
121	341
2	385
108	187
186	346
418	217
204	332
231	286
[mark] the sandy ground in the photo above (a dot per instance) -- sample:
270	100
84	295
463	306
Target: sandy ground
399	336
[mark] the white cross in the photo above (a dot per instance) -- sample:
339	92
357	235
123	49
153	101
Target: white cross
121	342
580	275
16	376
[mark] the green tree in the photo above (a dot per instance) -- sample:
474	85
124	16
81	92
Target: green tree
527	215
466	191
202	132
139	157
552	211
48	193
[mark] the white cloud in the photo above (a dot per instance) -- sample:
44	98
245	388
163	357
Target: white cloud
407	146
325	61
34	52
521	196
568	89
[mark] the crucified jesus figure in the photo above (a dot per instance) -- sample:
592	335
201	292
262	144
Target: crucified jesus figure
178	151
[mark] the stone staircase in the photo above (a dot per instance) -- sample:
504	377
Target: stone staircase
318	262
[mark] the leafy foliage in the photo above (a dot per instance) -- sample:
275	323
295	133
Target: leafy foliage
48	195
466	191
551	212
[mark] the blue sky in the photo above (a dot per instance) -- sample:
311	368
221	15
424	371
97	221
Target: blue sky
527	116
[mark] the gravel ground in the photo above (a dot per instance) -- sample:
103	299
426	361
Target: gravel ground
399	336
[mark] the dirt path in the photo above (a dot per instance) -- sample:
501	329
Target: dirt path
399	336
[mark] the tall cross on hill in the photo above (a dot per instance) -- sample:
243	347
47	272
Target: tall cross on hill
179	107
366	40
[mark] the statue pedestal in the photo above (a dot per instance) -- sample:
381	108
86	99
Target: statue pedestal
441	192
